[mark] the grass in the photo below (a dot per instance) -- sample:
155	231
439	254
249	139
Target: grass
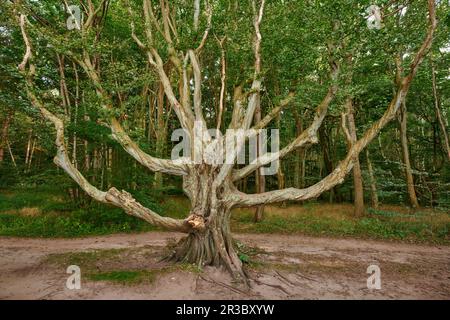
44	199
46	213
124	276
318	219
85	259
42	212
120	266
78	223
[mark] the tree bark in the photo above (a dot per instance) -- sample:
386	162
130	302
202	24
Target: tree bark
358	193
349	128
326	146
406	161
210	188
373	182
437	107
4	135
161	129
300	154
209	242
260	180
211	246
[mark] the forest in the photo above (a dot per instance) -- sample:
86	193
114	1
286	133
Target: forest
116	118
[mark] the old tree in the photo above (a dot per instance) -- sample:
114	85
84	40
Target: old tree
207	60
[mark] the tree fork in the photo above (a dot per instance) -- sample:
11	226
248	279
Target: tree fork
211	244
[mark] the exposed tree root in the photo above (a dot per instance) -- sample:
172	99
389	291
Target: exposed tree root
237	290
305	277
210	247
276	286
285	279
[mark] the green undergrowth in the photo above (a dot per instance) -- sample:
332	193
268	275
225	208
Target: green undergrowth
44	212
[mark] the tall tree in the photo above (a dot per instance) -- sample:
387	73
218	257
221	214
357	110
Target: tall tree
209	183
403	120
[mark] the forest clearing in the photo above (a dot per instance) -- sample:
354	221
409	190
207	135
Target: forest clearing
127	266
224	149
413	255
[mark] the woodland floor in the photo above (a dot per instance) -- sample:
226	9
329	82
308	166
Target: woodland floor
127	266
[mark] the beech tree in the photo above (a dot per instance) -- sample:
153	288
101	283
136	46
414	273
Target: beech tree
209	182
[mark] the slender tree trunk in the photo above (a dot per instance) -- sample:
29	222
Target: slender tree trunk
75	117
151	125
357	176
4	135
260	187
281	181
160	132
373	182
299	154
87	156
437	107
406	161
280	174
11	154
328	165
260	179
33	145
27	153
244	185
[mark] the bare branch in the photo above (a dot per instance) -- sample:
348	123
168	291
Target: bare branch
308	136
208	27
182	110
133	28
93	13
196	13
165	20
274	112
239	118
338	175
223	75
27	54
256	85
183	114
197	88
149	15
119	199
185	92
155	164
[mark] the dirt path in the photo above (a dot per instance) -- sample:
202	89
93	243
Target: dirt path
288	267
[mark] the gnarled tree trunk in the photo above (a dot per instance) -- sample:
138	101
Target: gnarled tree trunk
209	241
210	187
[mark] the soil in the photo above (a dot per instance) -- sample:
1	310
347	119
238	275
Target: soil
281	267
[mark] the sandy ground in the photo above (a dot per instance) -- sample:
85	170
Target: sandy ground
291	267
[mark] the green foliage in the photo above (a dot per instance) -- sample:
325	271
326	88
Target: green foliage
124	277
294	59
47	212
74	224
56	216
416	228
45	198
